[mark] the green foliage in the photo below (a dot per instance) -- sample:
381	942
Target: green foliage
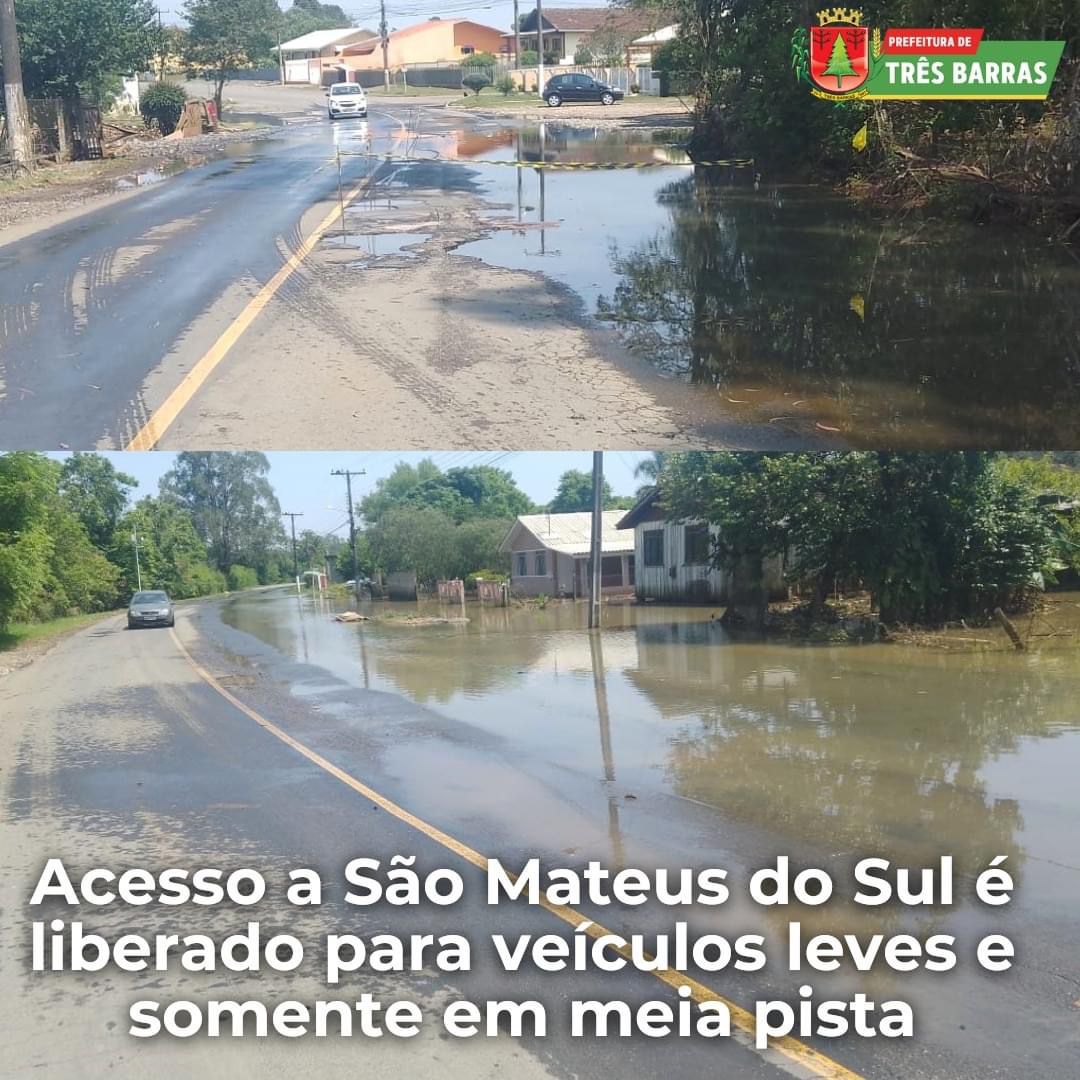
232	506
583	55
505	85
306	16
932	536
475	81
479	59
242	577
574	493
26	484
97	492
476	491
162	104
529	58
79	47
226	35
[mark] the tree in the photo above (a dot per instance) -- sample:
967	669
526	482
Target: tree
232	505
26	483
574	493
226	35
839	61
171	554
97	492
414	538
306	16
73	48
473	491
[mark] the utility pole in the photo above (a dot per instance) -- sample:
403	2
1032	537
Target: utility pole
18	116
596	547
138	568
295	567
385	35
280	56
517	42
352	525
539	47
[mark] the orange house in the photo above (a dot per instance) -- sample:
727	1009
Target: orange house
433	42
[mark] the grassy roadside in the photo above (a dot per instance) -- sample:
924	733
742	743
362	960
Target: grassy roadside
413	91
20	635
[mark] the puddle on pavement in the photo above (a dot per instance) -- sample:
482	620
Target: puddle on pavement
905	751
789	306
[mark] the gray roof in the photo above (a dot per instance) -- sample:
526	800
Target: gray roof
320	39
570	534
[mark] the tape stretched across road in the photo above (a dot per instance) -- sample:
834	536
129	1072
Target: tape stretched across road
726	163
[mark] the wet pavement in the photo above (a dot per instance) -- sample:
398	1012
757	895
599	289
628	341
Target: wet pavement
783	315
663	742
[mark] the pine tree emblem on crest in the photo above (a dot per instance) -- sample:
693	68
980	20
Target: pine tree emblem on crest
839	53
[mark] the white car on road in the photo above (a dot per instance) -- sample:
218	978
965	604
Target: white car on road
346	99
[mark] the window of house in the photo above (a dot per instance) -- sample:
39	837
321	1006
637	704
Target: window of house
652	547
522	566
697	545
541	564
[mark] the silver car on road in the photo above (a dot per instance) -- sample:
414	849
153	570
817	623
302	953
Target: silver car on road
151	608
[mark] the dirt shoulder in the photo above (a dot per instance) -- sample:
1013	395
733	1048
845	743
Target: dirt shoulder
40	640
57	193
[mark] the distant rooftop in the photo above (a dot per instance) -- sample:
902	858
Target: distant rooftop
320	39
570	533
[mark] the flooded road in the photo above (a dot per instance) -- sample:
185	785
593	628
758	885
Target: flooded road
663	742
789	306
911	751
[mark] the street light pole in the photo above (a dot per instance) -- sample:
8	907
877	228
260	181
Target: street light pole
295	566
138	567
18	116
596	545
539	47
352	526
384	34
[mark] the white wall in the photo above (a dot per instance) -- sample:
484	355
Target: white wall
677	580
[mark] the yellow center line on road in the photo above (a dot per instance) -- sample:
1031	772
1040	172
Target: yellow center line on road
149	435
789	1054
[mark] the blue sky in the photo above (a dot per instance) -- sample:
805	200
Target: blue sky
303	482
399	13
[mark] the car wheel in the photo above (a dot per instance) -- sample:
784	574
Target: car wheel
131	625
331	115
172	621
554	100
607	99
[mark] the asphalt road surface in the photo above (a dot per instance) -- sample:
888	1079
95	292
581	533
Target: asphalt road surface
119	751
208	313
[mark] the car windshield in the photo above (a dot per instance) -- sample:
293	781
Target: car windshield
341	91
150	598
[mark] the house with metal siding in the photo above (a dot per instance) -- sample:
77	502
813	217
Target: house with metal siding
672	559
549	555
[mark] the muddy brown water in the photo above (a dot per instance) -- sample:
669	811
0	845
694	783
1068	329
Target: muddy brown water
908	751
787	305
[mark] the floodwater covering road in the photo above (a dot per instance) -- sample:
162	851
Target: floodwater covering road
486	304
656	743
663	742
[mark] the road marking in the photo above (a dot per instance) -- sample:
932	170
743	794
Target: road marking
789	1054
149	435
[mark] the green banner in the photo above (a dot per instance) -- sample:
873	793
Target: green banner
1006	70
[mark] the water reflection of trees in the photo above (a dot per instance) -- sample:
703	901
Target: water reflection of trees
937	335
855	749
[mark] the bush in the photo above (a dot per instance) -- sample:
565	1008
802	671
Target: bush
475	81
163	103
242	577
505	85
529	58
583	55
480	59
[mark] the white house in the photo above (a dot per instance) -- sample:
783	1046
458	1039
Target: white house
549	554
672	559
314	58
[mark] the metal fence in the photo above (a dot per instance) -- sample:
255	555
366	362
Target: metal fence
60	130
